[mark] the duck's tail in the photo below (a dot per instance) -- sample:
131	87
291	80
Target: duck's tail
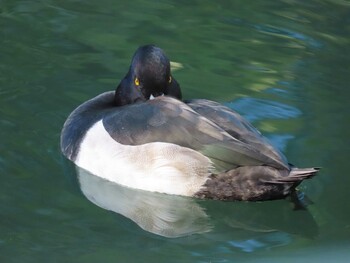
297	175
303	173
288	182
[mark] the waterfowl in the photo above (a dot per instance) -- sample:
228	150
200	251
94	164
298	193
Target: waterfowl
144	136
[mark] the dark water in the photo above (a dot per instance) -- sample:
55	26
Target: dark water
285	65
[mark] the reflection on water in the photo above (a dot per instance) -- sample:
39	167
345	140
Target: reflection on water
269	240
255	110
165	215
258	109
283	32
250	226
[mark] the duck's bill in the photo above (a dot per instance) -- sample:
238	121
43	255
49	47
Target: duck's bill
153	97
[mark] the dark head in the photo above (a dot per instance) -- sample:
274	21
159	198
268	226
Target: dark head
149	75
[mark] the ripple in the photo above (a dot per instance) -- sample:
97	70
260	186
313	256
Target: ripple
288	33
259	109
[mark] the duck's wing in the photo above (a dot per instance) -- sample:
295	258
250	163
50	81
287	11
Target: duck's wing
238	127
165	119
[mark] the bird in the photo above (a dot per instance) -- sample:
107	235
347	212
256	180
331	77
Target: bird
144	135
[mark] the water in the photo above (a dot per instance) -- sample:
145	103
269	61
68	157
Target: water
282	64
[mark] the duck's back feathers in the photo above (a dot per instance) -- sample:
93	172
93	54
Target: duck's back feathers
239	128
169	120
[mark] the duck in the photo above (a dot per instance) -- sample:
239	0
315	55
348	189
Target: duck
143	135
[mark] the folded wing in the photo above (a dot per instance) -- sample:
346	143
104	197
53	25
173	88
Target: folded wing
169	120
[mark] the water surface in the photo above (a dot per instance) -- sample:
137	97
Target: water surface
284	65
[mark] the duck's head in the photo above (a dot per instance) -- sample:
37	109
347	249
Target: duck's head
149	76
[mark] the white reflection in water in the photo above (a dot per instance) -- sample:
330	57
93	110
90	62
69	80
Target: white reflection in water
161	214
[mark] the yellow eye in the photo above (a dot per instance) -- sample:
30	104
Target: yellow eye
137	82
170	79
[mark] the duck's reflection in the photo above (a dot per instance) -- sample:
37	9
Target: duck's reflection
176	216
161	214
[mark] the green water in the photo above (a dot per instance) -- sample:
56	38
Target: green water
284	65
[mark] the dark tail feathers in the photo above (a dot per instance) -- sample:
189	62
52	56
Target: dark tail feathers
297	175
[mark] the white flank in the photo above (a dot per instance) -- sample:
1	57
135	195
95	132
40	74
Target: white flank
158	167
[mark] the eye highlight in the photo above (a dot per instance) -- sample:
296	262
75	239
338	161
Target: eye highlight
137	82
170	79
